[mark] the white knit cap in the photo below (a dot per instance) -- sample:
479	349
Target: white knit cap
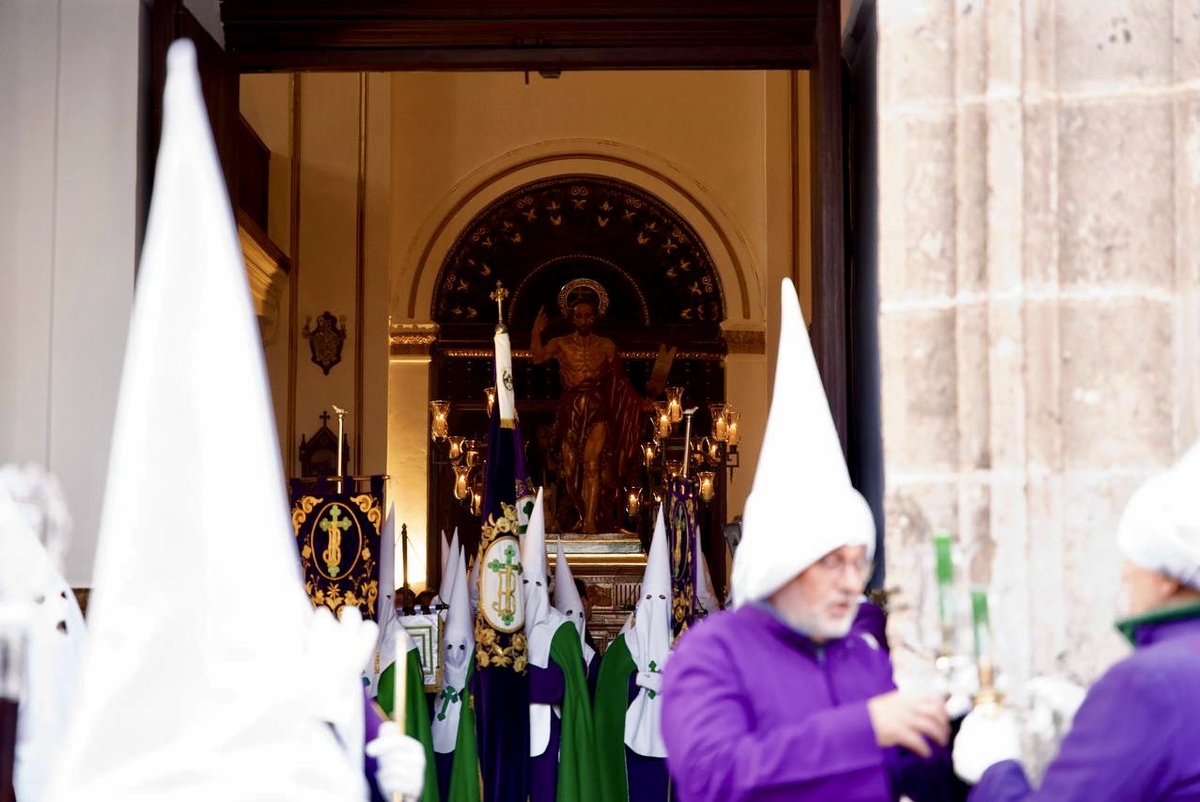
802	505
1160	527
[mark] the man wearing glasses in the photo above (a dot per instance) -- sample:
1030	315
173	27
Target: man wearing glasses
787	697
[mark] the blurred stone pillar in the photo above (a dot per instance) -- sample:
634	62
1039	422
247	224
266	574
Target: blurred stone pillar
1039	208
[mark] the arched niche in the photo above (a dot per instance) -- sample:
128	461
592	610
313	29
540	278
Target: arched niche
655	274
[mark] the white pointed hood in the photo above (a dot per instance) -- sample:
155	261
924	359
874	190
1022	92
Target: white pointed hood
447	554
187	693
568	602
802	505
385	605
1160	527
458	653
36	597
450	573
541	620
649	643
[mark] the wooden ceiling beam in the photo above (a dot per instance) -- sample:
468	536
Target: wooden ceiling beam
265	35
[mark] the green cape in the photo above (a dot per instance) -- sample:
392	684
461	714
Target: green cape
577	771
464	774
416	714
612	700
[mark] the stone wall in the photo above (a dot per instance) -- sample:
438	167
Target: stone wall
1039	191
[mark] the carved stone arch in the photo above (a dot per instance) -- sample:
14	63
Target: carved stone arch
656	269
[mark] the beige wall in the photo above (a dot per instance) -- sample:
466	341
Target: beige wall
68	234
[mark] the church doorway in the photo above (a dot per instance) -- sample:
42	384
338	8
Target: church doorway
799	38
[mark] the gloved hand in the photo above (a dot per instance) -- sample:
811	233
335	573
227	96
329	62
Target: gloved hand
650	680
401	762
988	736
1053	702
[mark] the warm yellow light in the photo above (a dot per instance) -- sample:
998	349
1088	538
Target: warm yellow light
439	424
675	403
707	488
456	447
490	394
461	474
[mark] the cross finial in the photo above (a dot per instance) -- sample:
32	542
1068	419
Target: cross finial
324	418
498	295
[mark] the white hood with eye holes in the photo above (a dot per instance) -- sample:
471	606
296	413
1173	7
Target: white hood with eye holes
459	651
649	643
541	620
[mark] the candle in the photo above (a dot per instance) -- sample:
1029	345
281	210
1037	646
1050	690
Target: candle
649	450
707	492
664	423
461	474
633	503
945	581
456	447
439	425
983	631
720	425
675	403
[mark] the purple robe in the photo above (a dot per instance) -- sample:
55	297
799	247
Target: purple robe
1136	735
755	711
372	719
546	686
649	780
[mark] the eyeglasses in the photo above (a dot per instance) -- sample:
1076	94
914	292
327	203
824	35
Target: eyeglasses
835	562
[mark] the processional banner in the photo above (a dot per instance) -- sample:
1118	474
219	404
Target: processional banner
337	536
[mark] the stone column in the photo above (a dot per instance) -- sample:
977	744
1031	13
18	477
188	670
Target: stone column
1039	211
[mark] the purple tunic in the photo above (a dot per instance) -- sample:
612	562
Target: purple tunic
546	686
754	710
1134	738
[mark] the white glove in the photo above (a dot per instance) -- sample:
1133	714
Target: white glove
988	735
650	680
401	762
1053	702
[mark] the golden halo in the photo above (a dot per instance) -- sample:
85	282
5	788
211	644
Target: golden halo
574	286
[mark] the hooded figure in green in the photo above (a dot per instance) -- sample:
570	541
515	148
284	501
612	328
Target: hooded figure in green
632	754
561	742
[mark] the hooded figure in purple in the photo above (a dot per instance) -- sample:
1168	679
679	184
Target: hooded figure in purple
1135	736
784	698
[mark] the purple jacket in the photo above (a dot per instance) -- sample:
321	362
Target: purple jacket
1137	734
755	711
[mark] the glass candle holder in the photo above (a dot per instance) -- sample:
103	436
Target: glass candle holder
456	447
707	484
662	426
633	501
461	474
649	452
675	403
720	425
439	422
733	421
